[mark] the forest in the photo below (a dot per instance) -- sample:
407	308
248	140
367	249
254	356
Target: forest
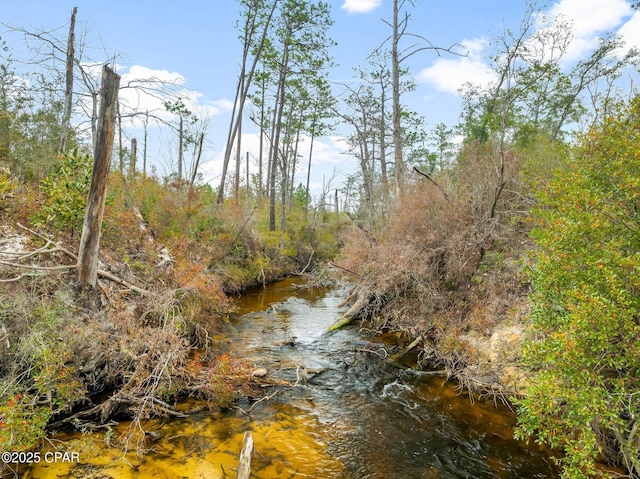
506	253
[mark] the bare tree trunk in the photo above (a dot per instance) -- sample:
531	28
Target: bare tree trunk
261	152
134	157
307	198
395	74
144	146
244	83
294	164
68	90
180	148
244	464
194	173
275	144
120	149
90	239
383	143
236	182
248	188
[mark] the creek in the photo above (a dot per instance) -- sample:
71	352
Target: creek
357	416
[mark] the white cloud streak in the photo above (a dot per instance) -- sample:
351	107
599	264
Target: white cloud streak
360	6
144	89
589	20
451	74
630	33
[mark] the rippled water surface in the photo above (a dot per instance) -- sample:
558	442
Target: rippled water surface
356	416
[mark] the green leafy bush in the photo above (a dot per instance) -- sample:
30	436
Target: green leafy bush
586	305
66	191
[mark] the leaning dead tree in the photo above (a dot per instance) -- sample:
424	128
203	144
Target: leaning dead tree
90	239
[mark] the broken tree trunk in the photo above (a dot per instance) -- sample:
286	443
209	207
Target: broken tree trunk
90	239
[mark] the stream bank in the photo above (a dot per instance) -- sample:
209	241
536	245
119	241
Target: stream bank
362	416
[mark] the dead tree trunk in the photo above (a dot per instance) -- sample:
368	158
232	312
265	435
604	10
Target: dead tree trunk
90	240
68	90
194	172
134	158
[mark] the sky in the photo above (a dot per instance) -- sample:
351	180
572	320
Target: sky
194	44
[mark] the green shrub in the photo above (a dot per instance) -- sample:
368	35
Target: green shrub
66	191
585	397
44	381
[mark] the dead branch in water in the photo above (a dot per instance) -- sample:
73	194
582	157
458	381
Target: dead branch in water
362	300
244	464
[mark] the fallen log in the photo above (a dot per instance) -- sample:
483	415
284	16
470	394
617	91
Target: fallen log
351	314
350	297
244	464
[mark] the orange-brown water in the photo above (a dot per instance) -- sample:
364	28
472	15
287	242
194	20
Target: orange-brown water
360	418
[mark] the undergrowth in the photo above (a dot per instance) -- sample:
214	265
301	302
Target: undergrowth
65	366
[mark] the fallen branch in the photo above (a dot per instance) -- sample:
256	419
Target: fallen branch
434	182
308	263
244	465
362	228
352	312
408	349
58	247
164	407
115	279
352	295
344	269
38	268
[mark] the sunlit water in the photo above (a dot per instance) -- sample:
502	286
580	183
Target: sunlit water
361	417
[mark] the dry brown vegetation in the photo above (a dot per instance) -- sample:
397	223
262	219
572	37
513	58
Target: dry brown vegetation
168	259
444	268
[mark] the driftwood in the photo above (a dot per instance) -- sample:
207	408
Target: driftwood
361	300
350	297
244	465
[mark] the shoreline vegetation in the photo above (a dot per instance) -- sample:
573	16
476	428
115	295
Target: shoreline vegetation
504	251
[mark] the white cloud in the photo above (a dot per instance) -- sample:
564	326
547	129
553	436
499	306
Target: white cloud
144	89
590	18
450	74
630	33
360	6
329	153
223	104
149	75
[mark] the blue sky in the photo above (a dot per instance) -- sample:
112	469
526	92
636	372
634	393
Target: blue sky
194	43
